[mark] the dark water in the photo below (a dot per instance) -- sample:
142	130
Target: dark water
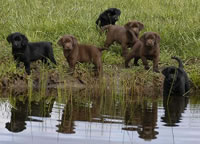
82	118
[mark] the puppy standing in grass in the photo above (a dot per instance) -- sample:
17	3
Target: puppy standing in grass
26	52
176	81
125	35
75	53
147	48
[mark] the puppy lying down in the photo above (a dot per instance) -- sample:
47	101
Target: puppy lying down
176	81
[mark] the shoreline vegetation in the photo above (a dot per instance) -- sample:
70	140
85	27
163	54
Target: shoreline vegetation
177	22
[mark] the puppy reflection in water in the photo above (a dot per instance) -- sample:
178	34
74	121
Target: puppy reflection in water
142	118
174	107
22	111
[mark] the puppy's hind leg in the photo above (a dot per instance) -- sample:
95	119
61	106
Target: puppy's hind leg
136	61
27	67
108	42
44	60
51	57
98	69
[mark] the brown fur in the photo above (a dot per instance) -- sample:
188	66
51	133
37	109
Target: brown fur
147	48
75	52
125	35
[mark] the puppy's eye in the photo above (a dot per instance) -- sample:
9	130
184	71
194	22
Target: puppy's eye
17	39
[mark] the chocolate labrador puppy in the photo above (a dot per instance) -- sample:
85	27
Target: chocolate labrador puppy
125	35
147	48
176	81
109	16
27	52
75	53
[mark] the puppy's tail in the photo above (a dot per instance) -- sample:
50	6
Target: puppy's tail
179	61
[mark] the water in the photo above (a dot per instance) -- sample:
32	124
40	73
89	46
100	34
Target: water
82	118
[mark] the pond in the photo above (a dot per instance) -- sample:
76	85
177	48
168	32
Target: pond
94	117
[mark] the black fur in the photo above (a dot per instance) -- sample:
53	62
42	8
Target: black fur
176	81
26	52
173	109
109	16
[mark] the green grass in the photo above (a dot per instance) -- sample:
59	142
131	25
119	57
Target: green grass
176	21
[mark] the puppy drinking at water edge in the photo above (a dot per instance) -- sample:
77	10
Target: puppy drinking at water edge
176	81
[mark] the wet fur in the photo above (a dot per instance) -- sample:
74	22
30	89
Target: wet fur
176	80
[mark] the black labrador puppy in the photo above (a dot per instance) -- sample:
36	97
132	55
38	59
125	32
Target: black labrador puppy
176	81
109	16
26	52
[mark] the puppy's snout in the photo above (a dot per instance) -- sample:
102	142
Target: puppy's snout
67	46
136	30
115	17
17	44
150	42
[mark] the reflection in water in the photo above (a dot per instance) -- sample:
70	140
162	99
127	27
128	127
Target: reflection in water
89	117
67	121
142	117
22	109
174	107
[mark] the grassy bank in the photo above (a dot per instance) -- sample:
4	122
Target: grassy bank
176	21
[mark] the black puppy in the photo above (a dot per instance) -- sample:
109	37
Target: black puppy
109	16
176	81
26	52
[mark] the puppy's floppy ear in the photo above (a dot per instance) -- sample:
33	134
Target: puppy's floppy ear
75	42
60	41
10	38
165	72
157	37
141	26
143	37
24	40
131	36
128	25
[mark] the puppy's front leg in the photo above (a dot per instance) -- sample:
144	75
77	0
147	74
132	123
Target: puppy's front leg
27	67
124	50
155	64
136	61
128	58
145	63
71	67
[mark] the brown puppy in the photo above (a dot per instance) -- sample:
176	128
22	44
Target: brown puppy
75	52
148	47
125	35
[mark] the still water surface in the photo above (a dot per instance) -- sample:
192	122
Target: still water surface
99	120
